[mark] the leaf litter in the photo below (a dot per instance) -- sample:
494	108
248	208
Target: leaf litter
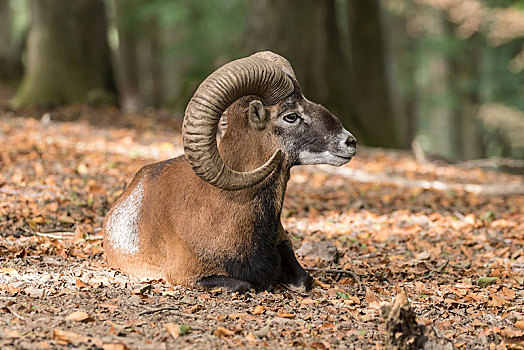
457	254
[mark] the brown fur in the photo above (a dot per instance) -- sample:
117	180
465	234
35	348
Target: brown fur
178	224
190	231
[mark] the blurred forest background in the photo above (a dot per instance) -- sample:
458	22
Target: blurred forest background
448	74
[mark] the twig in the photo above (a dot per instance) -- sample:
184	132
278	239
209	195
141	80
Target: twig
16	314
459	215
62	234
338	271
94	238
172	309
49	235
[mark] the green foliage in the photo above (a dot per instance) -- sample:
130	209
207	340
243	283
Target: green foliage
198	36
486	281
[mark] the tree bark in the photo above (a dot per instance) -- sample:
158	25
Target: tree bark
8	64
370	76
464	70
155	46
127	59
67	53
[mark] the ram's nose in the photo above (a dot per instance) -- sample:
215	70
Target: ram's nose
351	143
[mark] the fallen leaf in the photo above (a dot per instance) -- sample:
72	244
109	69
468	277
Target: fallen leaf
236	316
79	316
66	219
321	284
78	235
519	324
11	333
328	326
34	292
497	301
9	271
172	329
423	256
258	310
82	169
69	337
372	297
223	332
119	346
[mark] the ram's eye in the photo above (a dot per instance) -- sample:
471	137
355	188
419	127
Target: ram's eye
291	118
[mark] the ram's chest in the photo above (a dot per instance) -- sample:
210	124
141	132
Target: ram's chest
259	261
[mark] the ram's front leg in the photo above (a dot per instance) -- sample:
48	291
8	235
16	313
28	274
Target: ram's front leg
293	274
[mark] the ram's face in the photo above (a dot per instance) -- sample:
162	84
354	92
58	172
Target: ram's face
310	134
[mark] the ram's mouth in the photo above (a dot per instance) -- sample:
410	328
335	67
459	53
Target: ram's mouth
345	157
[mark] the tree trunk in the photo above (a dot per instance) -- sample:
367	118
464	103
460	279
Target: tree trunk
465	70
5	38
307	35
155	46
370	75
433	83
127	59
7	47
67	53
403	56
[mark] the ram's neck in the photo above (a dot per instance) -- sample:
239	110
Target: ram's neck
244	152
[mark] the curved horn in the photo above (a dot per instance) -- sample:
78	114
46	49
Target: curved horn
278	60
246	76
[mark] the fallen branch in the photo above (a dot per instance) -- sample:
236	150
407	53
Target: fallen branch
60	235
172	310
349	272
514	188
492	163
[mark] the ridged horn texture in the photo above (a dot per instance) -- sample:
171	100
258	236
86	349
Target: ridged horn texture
278	60
246	76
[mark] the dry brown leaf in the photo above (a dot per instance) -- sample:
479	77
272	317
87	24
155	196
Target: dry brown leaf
497	301
509	294
66	219
236	316
9	271
520	324
11	333
78	235
82	169
43	345
258	310
372	297
79	316
173	329
115	347
223	332
328	326
286	315
69	337
420	287
80	284
321	284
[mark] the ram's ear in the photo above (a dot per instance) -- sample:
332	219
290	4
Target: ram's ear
257	115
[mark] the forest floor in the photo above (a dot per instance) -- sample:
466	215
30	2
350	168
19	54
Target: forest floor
452	238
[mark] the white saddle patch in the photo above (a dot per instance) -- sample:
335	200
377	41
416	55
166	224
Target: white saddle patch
122	225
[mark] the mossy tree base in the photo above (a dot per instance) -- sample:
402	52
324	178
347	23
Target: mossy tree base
67	53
